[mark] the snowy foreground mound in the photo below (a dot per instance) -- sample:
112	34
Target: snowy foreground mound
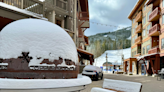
42	39
43	83
113	56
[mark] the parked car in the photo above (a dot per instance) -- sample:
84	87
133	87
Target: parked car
93	72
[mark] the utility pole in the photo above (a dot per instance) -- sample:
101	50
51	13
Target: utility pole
106	61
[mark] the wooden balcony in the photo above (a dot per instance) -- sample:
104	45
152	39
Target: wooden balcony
155	30
138	40
34	6
86	40
155	15
84	19
139	17
154	50
139	28
139	54
83	16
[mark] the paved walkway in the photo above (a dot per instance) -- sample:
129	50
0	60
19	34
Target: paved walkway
150	84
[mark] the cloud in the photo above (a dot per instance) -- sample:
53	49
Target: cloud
111	12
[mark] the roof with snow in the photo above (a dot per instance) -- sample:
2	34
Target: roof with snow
42	39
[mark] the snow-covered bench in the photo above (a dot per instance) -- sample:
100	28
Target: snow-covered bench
118	86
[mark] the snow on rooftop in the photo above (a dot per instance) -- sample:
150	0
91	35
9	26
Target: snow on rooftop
22	11
38	37
113	56
43	83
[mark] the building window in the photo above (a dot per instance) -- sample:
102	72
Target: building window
144	8
143	50
147	48
163	3
148	15
162	43
133	30
148	28
135	37
143	33
144	20
162	19
133	20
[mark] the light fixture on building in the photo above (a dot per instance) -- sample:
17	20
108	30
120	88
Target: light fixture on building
46	8
59	15
49	12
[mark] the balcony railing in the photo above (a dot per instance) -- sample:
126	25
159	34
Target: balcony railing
155	30
61	4
29	5
57	3
83	16
139	17
139	28
138	40
154	16
154	50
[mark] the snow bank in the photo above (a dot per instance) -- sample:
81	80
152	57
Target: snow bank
113	56
43	83
38	37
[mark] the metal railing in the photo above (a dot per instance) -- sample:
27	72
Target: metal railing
154	13
29	5
156	27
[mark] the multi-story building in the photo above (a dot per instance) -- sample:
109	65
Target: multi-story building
147	38
71	15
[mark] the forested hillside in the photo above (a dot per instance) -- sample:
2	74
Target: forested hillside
101	42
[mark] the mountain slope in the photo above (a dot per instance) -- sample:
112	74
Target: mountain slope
101	42
114	56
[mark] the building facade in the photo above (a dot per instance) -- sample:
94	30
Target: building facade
71	15
147	36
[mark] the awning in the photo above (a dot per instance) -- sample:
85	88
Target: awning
86	55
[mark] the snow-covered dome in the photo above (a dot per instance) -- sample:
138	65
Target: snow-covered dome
42	39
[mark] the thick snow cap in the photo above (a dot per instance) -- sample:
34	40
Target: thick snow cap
38	37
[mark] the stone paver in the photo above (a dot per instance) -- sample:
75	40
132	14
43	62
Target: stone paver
150	84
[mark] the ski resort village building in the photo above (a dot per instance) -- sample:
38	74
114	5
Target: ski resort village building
147	42
71	15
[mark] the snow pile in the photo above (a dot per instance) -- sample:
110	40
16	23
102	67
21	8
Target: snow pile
42	39
43	83
113	56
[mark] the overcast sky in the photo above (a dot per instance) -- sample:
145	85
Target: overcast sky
111	12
